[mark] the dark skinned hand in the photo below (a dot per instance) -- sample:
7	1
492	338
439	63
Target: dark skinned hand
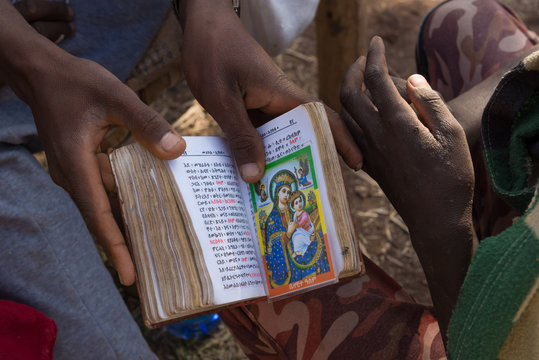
421	160
74	103
73	111
238	83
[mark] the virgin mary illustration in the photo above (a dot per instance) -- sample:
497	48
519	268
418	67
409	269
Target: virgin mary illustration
285	267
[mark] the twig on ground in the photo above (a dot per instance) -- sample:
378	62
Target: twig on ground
301	56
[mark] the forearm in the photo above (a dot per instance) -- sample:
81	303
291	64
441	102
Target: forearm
201	10
22	51
468	107
445	255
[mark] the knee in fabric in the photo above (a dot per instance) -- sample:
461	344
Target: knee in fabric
462	42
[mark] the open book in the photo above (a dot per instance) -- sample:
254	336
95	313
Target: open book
203	239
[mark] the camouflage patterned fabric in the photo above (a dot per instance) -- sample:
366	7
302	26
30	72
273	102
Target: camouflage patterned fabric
497	312
372	317
474	39
464	41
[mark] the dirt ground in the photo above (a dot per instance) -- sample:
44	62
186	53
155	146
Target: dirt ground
382	234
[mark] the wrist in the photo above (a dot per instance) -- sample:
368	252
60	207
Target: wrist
28	71
451	237
187	9
445	255
23	52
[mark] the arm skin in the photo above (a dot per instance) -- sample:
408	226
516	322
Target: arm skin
74	102
468	106
50	18
239	84
422	162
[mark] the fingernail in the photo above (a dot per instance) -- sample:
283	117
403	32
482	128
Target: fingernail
418	81
358	166
170	141
374	39
249	170
362	61
121	280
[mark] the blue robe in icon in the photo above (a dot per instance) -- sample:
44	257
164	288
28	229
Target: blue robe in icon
279	263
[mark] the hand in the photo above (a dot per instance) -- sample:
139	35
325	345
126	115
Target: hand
72	119
238	83
421	161
400	84
74	103
51	19
403	150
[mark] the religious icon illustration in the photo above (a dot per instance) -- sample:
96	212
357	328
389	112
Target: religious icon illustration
260	190
291	231
302	171
303	234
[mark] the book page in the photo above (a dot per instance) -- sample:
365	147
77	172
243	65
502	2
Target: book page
171	273
208	181
297	237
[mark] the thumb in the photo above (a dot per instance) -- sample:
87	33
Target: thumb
433	112
245	141
151	130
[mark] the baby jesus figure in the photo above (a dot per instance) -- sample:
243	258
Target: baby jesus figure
303	234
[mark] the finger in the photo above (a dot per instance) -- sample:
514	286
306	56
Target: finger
109	183
289	96
245	141
34	10
87	191
106	172
54	30
149	128
344	142
385	96
280	96
432	110
354	129
355	102
400	84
